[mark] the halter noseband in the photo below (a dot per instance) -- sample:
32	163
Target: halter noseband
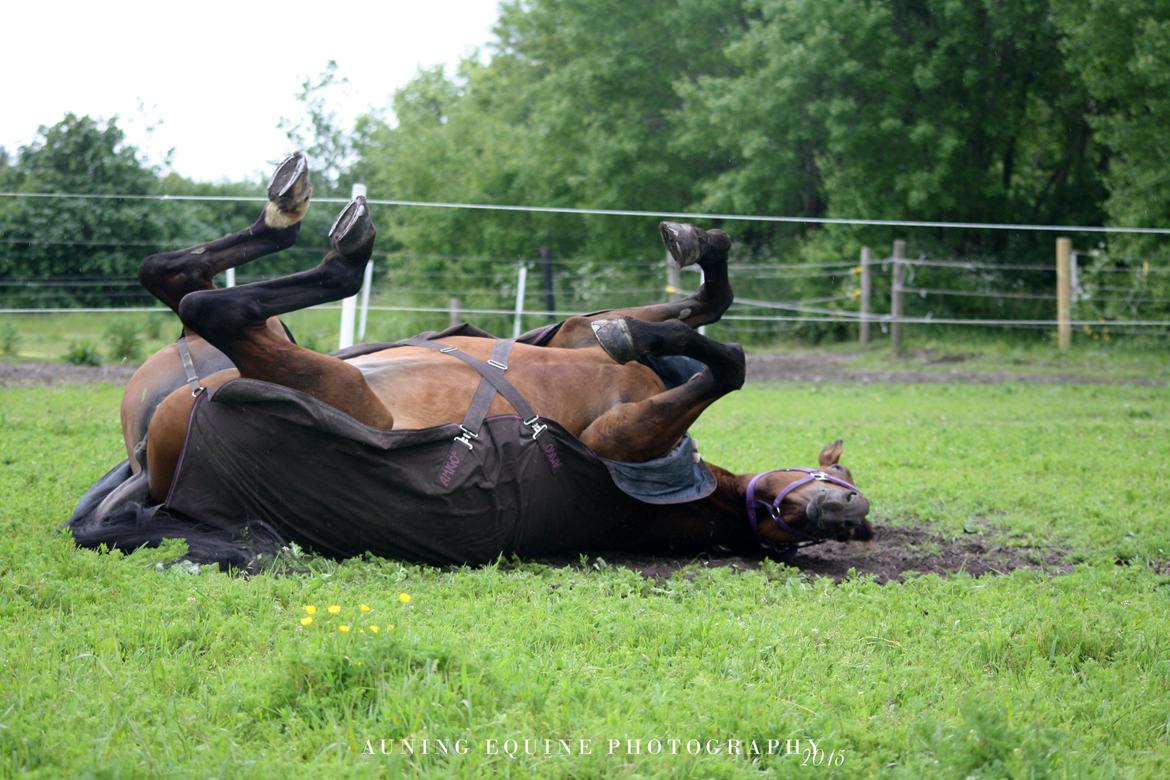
811	475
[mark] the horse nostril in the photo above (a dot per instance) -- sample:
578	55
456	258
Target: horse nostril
850	496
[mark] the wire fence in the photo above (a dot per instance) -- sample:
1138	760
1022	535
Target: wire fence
1112	295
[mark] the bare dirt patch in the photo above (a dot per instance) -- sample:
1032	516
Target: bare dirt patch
812	366
50	374
894	553
791	366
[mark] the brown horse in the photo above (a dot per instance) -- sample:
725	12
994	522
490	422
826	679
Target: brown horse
620	388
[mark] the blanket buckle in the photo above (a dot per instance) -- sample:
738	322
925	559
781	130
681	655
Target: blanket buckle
466	437
536	426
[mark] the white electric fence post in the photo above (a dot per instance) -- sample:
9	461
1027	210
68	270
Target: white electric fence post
349	305
367	282
521	283
230	278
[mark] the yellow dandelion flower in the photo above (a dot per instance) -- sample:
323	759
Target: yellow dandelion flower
404	598
306	621
364	607
373	628
343	628
334	609
310	609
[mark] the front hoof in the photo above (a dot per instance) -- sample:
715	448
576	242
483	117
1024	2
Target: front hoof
683	241
352	234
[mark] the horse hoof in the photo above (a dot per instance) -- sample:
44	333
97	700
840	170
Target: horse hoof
683	241
615	338
290	186
688	244
353	231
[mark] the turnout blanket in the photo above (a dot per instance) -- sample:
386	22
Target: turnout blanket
264	465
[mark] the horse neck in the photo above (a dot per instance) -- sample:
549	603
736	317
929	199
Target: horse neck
727	505
718	519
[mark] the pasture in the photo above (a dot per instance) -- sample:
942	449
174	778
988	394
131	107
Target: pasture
116	666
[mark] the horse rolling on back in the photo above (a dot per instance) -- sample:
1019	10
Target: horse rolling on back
598	378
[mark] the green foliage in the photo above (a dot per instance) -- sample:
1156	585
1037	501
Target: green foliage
188	672
9	339
124	340
1119	50
76	239
83	352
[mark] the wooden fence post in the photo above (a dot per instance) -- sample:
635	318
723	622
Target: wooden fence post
896	297
866	291
1064	292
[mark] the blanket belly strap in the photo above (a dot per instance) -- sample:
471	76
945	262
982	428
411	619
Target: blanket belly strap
491	382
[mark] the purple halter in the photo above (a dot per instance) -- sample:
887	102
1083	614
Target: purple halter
812	475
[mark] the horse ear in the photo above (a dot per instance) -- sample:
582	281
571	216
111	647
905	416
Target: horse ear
831	454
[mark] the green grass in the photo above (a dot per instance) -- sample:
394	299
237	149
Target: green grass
114	667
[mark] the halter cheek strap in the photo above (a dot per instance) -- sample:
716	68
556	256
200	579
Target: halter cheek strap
773	509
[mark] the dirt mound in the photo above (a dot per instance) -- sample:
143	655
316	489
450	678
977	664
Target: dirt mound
894	553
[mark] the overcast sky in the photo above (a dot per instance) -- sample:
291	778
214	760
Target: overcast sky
213	78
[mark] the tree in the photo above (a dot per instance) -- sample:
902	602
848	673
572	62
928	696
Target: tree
68	239
1120	50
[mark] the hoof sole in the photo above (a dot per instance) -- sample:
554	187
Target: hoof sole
353	231
615	338
290	186
683	241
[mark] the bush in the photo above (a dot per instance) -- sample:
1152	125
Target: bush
83	353
124	338
9	339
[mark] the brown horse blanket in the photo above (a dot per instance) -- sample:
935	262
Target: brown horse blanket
264	465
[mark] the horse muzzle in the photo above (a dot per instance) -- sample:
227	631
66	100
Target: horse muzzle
839	513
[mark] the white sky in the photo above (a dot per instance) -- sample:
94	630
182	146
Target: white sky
214	78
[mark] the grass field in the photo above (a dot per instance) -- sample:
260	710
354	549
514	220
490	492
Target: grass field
113	667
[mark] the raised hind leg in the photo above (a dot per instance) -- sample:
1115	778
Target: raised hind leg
687	244
649	428
234	321
170	276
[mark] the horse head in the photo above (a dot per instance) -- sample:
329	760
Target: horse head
791	506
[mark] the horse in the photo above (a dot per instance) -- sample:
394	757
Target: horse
571	438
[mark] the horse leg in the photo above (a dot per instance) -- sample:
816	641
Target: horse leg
687	244
233	320
171	275
641	430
